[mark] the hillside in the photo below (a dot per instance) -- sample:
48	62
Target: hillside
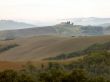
62	29
94	21
41	47
97	47
94	67
10	24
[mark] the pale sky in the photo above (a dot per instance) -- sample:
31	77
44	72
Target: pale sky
53	9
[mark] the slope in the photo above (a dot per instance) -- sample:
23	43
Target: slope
40	47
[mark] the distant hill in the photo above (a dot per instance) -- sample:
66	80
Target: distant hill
24	33
10	24
89	21
62	29
105	25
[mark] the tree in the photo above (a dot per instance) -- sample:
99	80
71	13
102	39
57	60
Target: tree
8	76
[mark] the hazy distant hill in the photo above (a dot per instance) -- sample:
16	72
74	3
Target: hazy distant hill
23	33
62	29
105	25
89	21
10	24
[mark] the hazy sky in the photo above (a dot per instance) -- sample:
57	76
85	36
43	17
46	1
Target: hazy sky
53	9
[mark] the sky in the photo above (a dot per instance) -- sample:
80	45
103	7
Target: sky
45	10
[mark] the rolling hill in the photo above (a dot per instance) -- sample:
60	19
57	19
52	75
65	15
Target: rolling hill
94	21
10	24
62	29
40	47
